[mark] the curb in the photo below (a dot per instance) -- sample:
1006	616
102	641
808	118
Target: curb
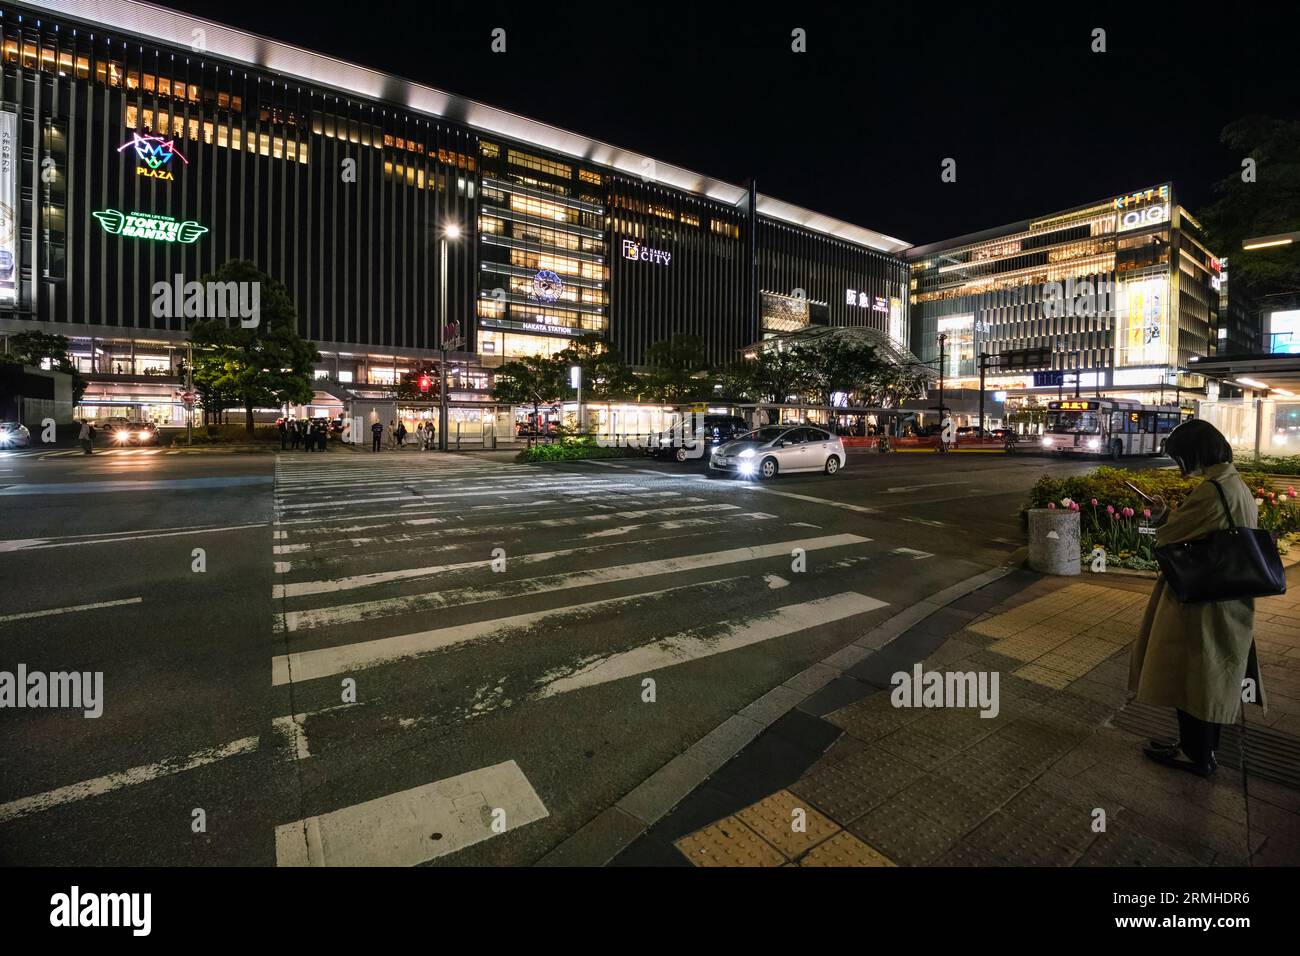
617	827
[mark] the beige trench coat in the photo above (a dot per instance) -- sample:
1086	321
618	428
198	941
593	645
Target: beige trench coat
1195	656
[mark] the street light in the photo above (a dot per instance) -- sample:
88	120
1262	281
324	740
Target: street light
575	381
1267	242
448	336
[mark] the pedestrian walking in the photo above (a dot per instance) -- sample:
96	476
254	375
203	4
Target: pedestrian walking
86	437
284	434
1194	657
295	435
377	430
390	436
401	433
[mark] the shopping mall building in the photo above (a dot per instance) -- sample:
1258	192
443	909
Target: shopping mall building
1113	297
141	147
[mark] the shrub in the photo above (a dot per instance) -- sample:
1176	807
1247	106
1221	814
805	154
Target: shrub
574	449
228	435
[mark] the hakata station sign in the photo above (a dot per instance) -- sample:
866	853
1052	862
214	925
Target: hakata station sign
144	225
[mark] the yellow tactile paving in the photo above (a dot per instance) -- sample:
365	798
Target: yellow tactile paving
1042	675
844	849
774	818
728	843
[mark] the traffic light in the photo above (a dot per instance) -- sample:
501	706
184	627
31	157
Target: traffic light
424	382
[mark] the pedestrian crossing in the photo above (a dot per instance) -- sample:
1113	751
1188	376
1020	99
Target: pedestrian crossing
448	590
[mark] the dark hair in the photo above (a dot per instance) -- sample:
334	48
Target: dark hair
1196	444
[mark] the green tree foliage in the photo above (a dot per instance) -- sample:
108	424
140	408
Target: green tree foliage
835	365
532	380
679	370
33	348
269	364
1269	205
605	375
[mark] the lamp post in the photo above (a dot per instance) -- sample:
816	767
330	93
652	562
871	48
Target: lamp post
575	381
446	341
943	337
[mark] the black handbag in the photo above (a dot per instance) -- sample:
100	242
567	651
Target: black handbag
1224	565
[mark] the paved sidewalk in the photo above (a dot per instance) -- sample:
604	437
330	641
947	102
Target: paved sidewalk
877	785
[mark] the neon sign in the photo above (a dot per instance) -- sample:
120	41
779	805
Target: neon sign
1159	194
143	225
634	250
155	153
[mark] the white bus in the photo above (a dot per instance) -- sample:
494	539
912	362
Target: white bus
1112	427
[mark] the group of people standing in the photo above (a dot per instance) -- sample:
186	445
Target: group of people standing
308	433
394	435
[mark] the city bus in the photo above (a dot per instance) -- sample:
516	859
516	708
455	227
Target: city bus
1113	427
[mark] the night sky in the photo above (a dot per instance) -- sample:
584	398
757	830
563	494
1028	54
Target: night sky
856	127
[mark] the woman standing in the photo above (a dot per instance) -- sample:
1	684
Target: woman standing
1195	657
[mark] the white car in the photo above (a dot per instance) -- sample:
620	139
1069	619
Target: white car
14	435
780	448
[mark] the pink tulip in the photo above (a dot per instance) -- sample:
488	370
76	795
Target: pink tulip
1074	506
1051	506
1146	512
1094	502
1290	491
1110	510
1128	512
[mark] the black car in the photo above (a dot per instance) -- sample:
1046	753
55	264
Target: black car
122	432
682	442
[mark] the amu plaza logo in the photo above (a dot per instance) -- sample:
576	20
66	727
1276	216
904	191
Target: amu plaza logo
155	155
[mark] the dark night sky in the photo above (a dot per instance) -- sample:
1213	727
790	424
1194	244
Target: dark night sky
857	126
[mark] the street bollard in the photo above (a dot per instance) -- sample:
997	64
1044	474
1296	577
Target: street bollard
1054	541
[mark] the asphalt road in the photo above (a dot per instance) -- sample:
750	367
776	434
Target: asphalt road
407	658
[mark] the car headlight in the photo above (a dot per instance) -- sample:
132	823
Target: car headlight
1094	443
141	436
747	453
121	436
1048	442
746	467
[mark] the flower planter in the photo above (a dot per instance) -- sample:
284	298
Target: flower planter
1054	541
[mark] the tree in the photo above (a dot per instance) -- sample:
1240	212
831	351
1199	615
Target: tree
1268	204
605	376
408	386
781	373
677	369
33	348
532	380
268	364
838	366
891	385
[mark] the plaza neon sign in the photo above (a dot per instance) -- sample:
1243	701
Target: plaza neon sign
155	155
143	225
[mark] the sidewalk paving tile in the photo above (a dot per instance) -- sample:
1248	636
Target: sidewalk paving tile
906	835
844	849
774	818
728	843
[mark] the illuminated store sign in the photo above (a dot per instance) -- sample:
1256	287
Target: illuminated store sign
142	225
634	250
1143	197
865	300
1144	216
155	155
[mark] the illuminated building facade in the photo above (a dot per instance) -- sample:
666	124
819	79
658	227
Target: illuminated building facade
1112	297
138	145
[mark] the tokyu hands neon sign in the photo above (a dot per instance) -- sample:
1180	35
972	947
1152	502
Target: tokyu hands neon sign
143	225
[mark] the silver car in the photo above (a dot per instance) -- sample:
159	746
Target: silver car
14	435
777	448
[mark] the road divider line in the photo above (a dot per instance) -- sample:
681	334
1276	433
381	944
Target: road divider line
416	825
698	643
125	778
27	615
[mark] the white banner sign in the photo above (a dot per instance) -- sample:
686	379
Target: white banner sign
8	206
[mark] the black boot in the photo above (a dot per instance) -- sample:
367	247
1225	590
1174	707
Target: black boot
1172	758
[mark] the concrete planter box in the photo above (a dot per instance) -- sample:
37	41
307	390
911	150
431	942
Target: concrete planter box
1054	541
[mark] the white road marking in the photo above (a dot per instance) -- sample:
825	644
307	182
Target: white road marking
385	607
125	778
344	658
914	554
603	464
862	509
693	645
930	484
68	610
36	544
414	826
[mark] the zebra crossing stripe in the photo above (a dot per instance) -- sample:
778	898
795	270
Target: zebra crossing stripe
416	825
